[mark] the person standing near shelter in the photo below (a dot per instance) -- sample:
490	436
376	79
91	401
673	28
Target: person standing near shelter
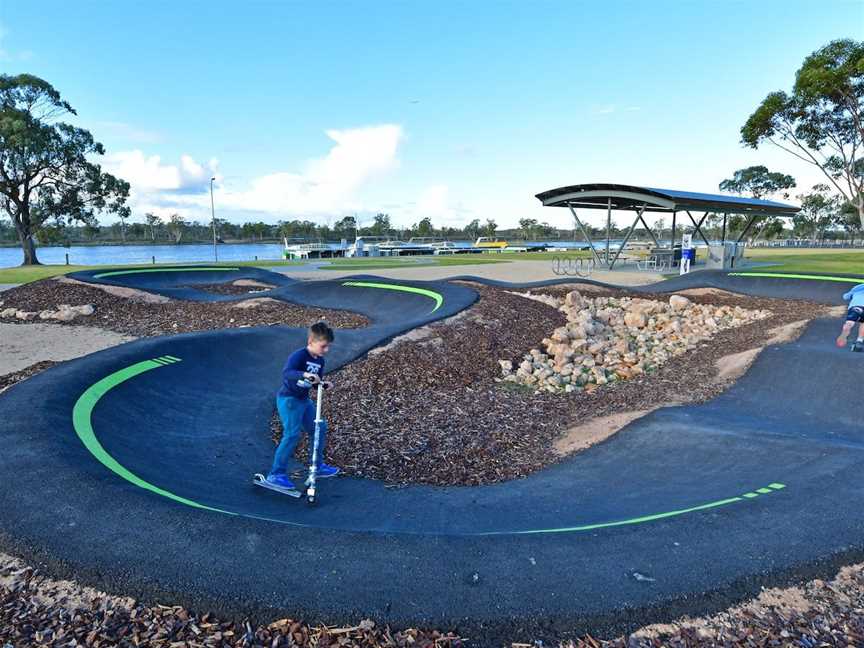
855	315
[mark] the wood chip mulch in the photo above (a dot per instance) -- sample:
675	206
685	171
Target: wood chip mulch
7	380
228	289
37	611
125	315
430	411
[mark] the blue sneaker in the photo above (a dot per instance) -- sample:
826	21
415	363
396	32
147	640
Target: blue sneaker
281	481
325	471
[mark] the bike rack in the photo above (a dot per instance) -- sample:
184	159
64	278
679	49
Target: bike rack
572	267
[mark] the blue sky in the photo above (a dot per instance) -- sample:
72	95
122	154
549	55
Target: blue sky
442	109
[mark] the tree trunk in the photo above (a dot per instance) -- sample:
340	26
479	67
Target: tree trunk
25	236
860	206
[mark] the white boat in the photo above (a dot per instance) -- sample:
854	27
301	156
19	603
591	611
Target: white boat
365	246
395	247
310	250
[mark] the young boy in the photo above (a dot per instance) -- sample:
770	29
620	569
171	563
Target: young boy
854	315
296	409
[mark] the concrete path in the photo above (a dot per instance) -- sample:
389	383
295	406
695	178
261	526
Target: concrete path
511	271
57	343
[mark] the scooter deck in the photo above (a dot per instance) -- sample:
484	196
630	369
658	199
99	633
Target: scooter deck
259	480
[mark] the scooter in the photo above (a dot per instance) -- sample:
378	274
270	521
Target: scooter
316	437
311	480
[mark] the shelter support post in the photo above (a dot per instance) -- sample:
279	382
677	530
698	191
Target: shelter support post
747	228
698	225
629	234
585	234
674	215
650	232
725	217
608	226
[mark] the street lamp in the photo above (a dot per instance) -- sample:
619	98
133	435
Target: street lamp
213	220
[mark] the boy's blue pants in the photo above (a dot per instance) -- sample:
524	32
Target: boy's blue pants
297	415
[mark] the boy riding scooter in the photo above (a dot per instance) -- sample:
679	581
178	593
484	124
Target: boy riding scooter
302	371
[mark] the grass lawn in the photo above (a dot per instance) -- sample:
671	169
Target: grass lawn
26	274
802	261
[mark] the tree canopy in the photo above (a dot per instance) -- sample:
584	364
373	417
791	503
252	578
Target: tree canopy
822	120
46	174
758	182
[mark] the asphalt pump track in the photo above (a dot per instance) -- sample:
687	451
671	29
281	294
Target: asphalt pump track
130	469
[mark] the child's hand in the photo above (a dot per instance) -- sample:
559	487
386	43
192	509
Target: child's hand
311	377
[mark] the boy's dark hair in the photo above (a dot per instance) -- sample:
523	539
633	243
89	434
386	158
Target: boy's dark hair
321	331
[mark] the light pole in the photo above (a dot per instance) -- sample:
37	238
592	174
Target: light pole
213	221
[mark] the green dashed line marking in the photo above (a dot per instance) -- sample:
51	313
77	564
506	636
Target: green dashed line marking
172	358
641	520
437	297
783	275
117	273
776	486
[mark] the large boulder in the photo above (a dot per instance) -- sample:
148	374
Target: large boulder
679	303
635	319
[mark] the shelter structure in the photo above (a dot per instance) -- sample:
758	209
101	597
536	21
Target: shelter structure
648	199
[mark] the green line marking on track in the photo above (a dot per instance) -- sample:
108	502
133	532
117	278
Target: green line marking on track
639	520
438	297
117	273
82	413
783	275
81	420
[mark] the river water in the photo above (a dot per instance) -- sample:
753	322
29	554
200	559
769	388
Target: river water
131	254
134	254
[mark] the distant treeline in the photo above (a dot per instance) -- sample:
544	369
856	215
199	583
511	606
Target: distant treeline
178	231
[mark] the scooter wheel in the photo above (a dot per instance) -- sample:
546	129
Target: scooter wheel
310	500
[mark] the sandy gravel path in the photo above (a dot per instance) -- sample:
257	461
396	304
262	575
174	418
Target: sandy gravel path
22	345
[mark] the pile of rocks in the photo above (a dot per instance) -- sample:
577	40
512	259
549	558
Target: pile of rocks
63	313
608	339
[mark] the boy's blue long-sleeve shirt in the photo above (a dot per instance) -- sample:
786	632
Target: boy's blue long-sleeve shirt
298	363
855	297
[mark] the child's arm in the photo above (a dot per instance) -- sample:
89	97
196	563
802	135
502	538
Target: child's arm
293	370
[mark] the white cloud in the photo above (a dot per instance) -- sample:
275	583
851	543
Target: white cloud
437	203
148	174
327	184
